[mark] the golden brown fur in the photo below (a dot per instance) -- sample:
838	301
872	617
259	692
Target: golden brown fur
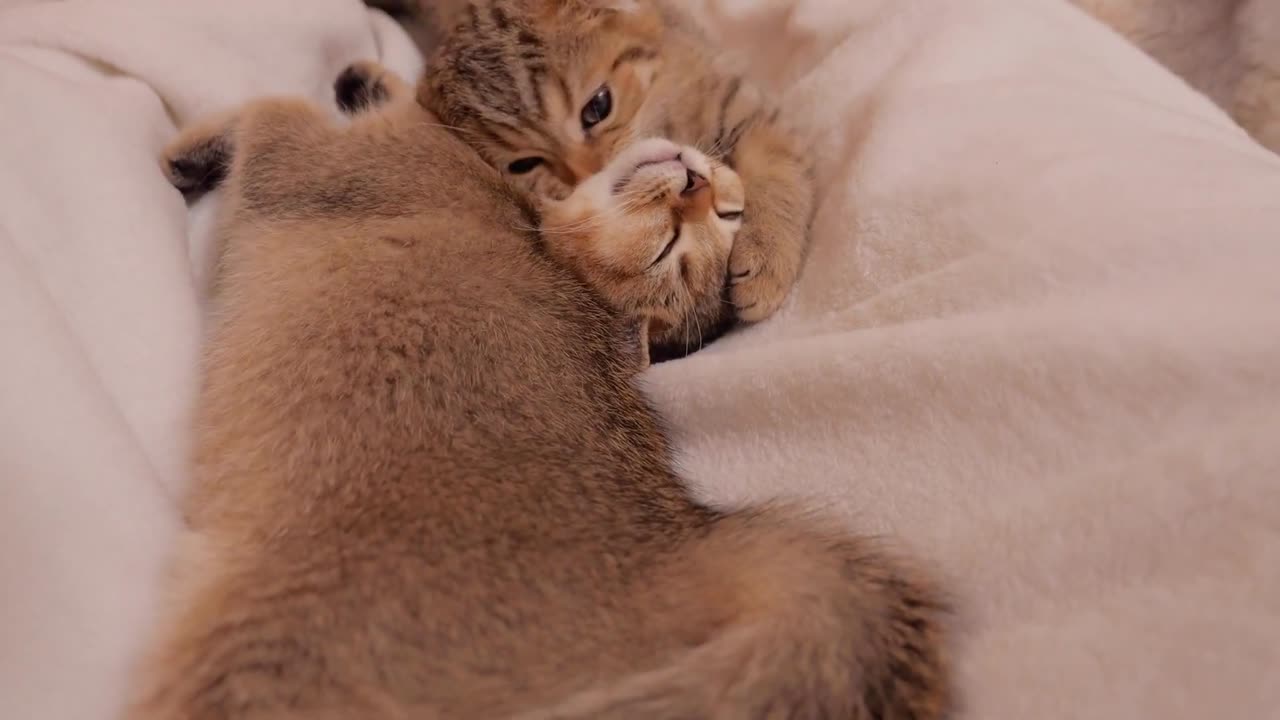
516	76
426	487
651	234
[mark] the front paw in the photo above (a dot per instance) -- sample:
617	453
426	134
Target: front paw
366	85
762	270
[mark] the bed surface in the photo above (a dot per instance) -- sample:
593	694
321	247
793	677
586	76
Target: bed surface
1037	339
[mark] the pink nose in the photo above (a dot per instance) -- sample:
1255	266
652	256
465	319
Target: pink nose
693	182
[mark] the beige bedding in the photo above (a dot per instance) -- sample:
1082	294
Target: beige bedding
1227	49
1037	339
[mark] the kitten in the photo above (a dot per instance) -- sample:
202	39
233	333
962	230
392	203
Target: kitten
651	233
425	485
551	90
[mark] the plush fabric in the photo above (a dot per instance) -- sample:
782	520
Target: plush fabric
1037	340
99	304
1226	49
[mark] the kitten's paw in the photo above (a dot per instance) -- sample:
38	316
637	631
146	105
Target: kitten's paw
365	85
198	160
359	87
760	276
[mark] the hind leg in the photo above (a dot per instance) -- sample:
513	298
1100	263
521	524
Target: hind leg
780	616
200	158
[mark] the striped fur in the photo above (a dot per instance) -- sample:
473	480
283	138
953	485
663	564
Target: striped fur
513	75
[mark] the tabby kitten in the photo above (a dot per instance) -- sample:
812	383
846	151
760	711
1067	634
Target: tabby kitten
550	91
651	233
425	486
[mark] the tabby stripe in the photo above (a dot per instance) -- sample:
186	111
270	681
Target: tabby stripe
500	18
528	39
730	140
732	92
536	75
635	53
496	139
564	88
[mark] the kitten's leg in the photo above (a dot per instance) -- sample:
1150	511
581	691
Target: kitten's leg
366	85
770	248
199	159
202	155
279	153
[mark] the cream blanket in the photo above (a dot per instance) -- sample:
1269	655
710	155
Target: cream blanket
99	316
1037	338
1226	49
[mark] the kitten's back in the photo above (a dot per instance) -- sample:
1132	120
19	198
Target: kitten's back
427	488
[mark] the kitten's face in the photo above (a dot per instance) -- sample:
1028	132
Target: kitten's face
652	233
547	90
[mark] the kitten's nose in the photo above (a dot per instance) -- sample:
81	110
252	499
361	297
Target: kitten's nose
693	182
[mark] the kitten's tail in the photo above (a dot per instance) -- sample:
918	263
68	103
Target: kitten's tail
821	626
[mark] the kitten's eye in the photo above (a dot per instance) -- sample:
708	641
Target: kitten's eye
675	238
524	165
731	215
597	108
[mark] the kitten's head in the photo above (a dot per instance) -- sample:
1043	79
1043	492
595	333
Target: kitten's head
546	90
651	233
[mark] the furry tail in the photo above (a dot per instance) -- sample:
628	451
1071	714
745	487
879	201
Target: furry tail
823	626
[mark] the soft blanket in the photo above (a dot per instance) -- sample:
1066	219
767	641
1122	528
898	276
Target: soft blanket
1226	49
99	303
1036	340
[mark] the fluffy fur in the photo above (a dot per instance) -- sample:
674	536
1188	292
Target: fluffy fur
652	234
426	487
517	78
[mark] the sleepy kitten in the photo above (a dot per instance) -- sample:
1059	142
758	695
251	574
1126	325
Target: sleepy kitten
425	486
651	233
549	91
